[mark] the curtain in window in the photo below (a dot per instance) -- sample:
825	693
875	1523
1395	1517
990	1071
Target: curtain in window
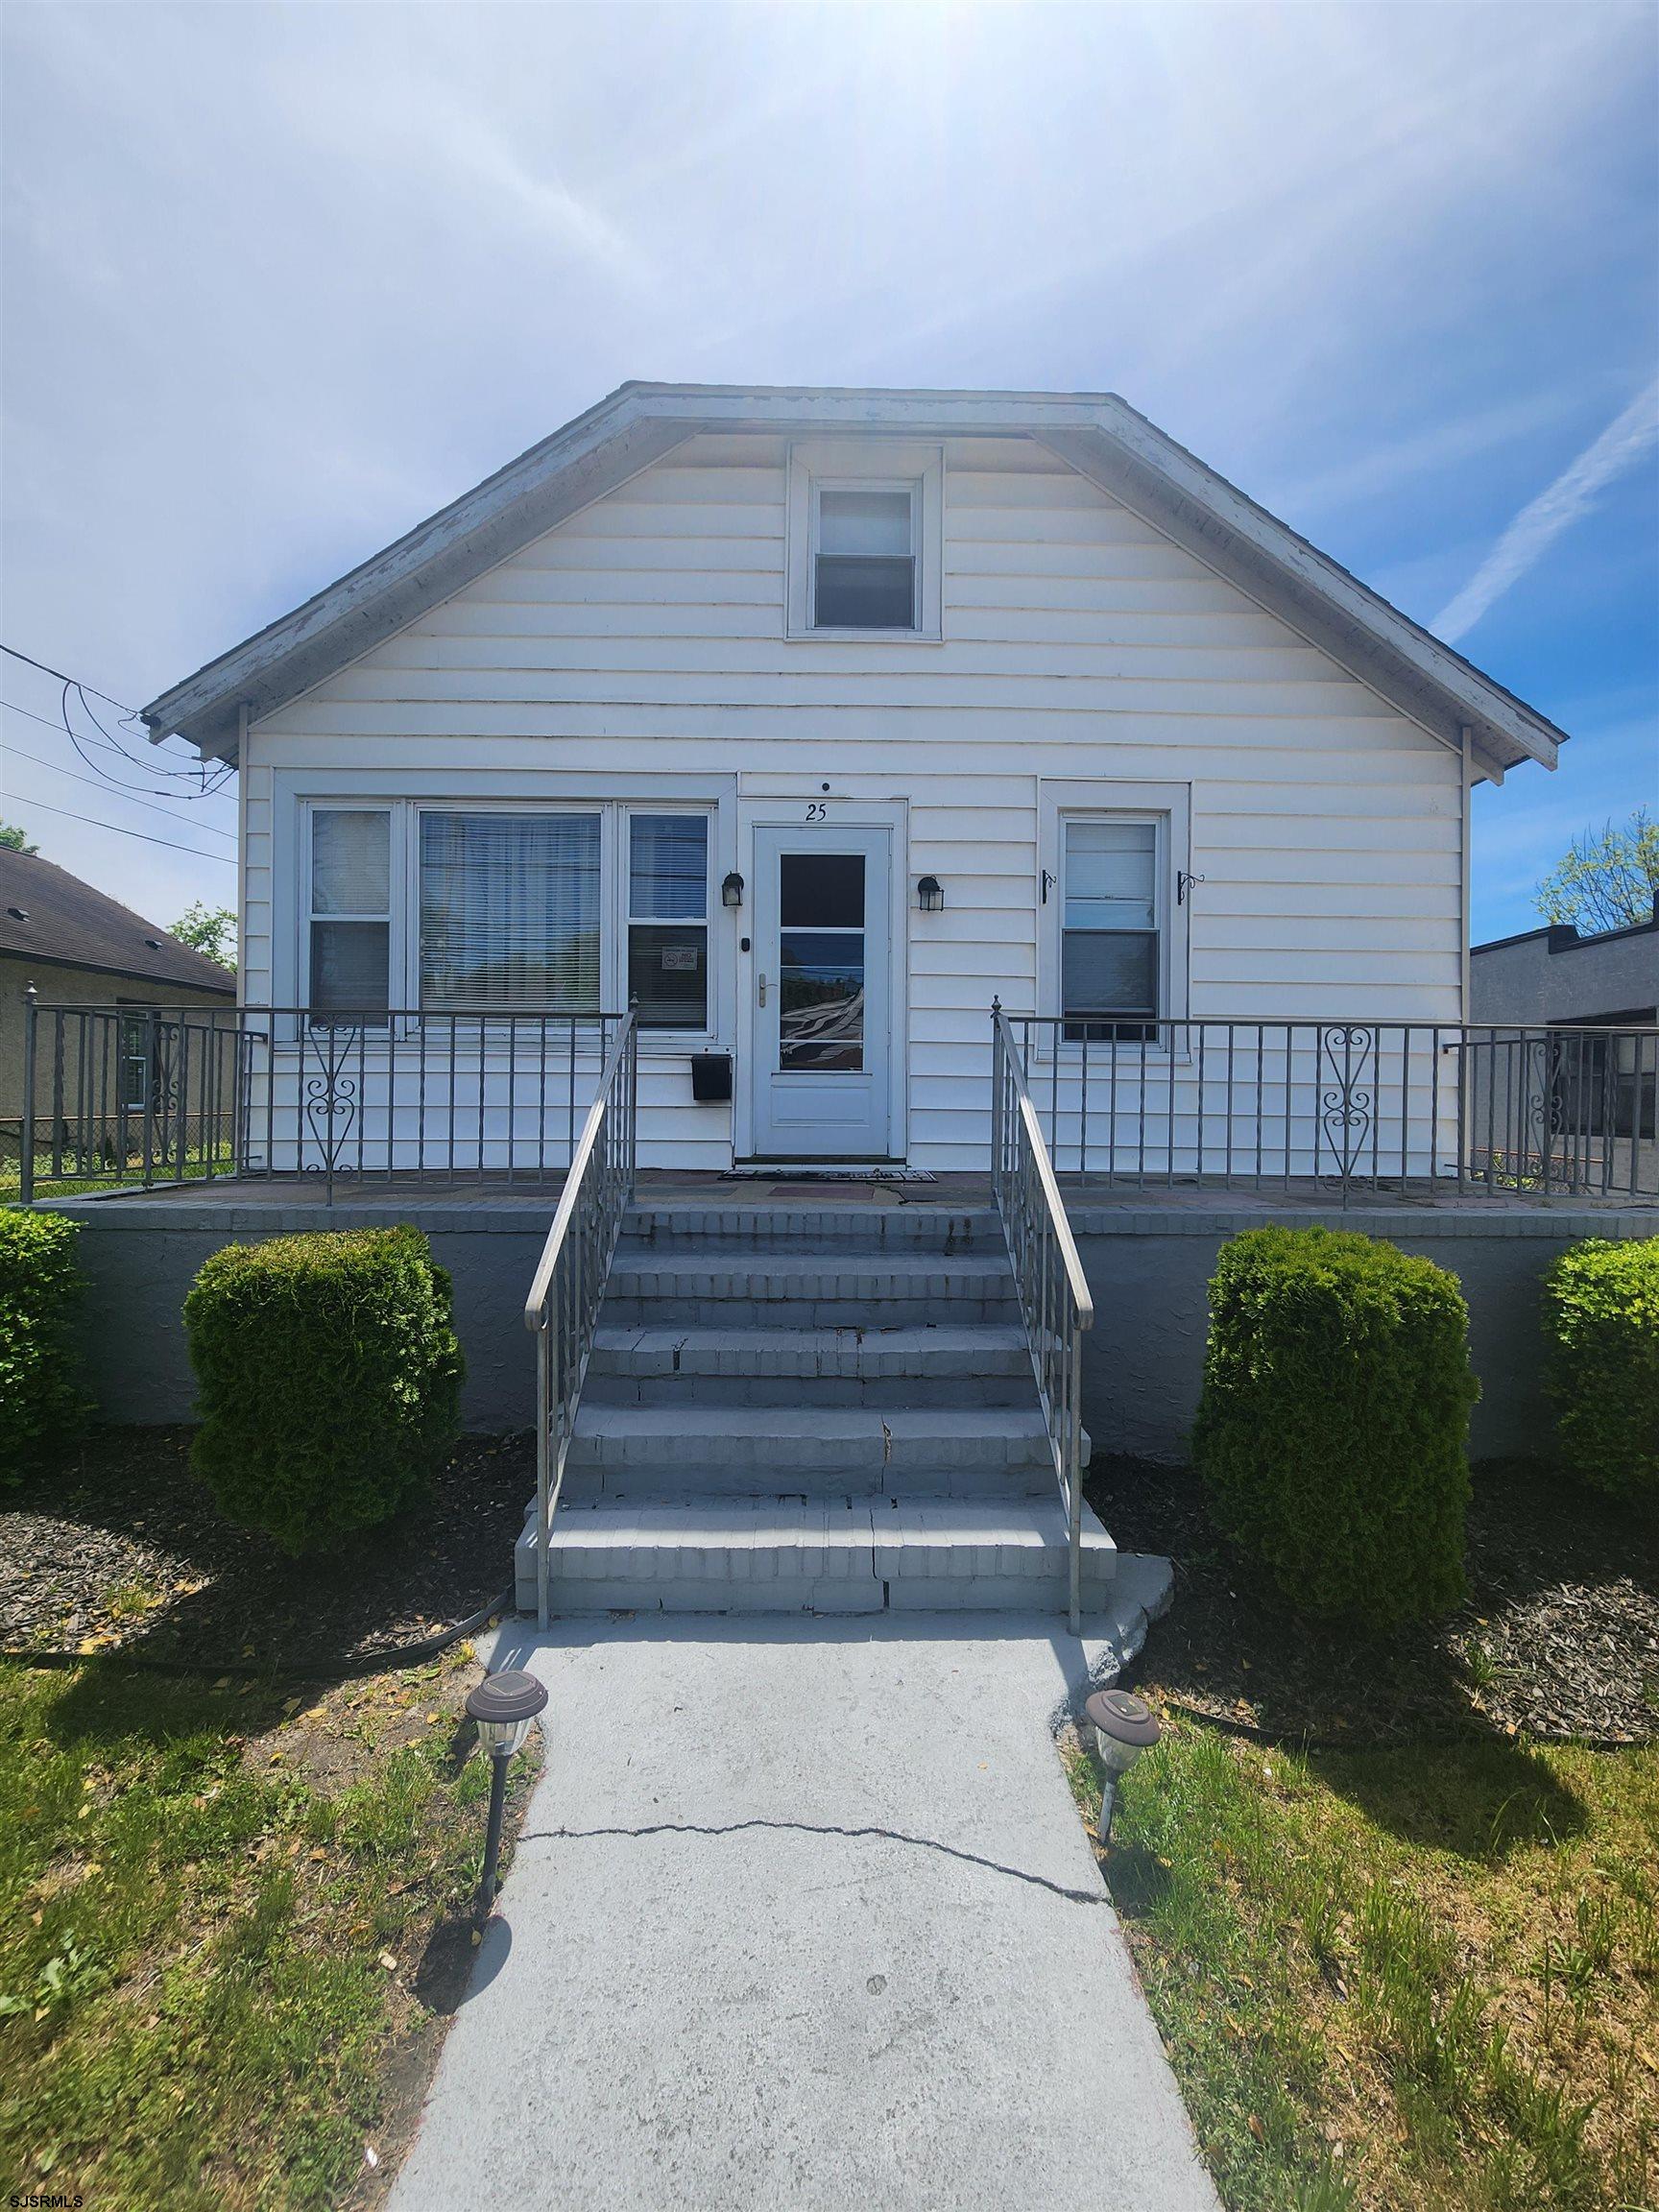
510	912
1108	956
351	910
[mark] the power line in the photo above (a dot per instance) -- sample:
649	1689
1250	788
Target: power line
160	767
65	679
225	858
98	783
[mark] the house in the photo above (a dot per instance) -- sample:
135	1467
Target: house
810	721
967	787
80	950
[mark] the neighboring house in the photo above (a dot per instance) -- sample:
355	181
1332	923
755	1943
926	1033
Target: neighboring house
78	948
1603	1087
1555	976
810	721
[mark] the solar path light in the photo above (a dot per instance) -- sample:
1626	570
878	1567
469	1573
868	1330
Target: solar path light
502	1708
1123	1728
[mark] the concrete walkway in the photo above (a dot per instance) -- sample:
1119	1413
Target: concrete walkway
802	1916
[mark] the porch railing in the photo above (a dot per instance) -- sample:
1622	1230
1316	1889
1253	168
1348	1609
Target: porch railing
1048	1280
1427	1108
562	1307
139	1095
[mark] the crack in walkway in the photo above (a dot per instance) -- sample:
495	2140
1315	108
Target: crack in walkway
812	1828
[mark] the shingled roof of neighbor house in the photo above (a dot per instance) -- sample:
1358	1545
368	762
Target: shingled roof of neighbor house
51	917
1099	434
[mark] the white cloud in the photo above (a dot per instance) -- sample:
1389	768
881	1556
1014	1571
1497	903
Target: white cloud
1626	442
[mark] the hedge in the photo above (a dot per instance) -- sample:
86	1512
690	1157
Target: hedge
328	1380
1333	1429
1601	1326
40	1398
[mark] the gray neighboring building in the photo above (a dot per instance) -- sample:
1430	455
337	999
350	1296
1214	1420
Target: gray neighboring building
1554	976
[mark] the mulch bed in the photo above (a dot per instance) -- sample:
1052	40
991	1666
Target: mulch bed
122	1548
1559	1638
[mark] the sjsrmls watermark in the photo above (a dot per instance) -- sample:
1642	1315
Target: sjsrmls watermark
45	2201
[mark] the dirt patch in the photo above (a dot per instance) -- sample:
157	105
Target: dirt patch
1559	1637
122	1548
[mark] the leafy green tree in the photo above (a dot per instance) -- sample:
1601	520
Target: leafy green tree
1607	880
209	930
15	840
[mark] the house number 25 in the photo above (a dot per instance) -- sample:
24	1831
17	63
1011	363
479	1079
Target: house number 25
817	811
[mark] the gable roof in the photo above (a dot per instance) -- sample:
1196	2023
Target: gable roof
1096	433
51	917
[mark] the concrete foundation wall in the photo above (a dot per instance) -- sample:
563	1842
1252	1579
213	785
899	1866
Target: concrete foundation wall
1148	1273
1148	1270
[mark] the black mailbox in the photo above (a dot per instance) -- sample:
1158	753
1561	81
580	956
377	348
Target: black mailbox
710	1077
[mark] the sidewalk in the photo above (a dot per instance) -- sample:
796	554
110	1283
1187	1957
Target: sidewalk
802	1916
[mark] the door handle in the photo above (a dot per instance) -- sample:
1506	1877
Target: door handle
763	974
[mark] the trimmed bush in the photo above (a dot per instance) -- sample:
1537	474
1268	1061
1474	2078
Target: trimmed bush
329	1378
40	1285
1601	1325
1332	1431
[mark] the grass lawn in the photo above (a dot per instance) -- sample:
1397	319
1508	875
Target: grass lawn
1412	1978
230	1923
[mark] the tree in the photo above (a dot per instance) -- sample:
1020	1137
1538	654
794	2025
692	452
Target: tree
15	840
1607	880
209	930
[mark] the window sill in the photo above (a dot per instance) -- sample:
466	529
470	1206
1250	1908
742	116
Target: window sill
810	637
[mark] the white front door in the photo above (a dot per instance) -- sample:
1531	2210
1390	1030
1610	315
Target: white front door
821	968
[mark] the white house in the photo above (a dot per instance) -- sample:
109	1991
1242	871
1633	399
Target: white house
810	721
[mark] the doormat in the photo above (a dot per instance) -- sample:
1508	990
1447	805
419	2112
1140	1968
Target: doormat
784	1172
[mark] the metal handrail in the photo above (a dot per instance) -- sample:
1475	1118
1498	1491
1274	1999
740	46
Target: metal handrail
1055	1304
568	1286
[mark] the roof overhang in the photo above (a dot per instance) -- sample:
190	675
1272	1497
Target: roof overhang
1098	434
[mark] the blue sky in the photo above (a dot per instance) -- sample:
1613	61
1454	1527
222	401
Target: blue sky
279	280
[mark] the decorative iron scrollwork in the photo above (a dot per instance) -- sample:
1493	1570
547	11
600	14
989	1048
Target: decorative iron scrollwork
1347	1092
330	1094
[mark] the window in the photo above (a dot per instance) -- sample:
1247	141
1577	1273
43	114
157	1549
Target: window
1111	951
864	564
510	912
350	911
668	920
865	551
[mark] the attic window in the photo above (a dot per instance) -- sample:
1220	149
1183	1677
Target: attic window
864	558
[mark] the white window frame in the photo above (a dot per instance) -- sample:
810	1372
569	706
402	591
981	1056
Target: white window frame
1168	808
626	812
614	812
309	916
866	465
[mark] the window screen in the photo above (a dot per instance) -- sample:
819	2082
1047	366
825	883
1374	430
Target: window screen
865	576
351	926
668	920
1109	954
510	912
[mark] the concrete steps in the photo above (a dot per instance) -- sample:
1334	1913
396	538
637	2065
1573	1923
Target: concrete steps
810	1411
788	1556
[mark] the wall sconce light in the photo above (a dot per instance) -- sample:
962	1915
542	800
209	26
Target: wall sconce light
930	894
502	1708
731	890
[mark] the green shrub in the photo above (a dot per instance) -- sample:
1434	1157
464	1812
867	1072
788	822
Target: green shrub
1601	1325
329	1378
40	1398
1332	1431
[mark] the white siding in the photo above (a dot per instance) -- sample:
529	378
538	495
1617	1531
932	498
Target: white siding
645	636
